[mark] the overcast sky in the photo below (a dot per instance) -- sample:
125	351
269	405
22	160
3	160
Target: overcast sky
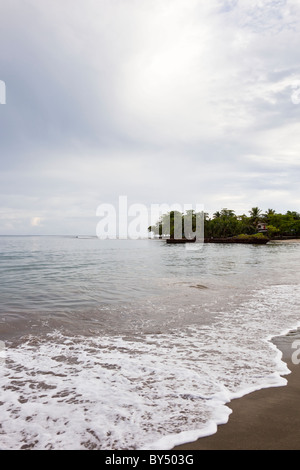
164	101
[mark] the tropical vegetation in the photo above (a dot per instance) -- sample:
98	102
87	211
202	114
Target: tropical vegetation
225	223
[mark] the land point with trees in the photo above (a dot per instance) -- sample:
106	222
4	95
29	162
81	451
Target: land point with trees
225	224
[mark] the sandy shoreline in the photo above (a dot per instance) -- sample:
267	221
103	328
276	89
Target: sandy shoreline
268	419
292	240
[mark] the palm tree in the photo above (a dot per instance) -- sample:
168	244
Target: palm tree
254	215
268	214
293	214
227	213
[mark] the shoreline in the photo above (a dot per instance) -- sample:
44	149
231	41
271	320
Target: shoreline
266	419
287	240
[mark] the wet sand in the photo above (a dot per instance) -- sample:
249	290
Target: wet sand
292	240
268	419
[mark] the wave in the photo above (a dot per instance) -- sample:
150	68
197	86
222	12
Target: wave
145	391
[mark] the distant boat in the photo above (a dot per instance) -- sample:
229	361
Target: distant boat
83	237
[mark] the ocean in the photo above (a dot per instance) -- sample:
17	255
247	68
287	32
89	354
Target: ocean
136	344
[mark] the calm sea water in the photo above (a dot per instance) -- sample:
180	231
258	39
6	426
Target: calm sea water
128	344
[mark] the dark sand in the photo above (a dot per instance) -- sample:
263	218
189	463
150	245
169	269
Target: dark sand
268	419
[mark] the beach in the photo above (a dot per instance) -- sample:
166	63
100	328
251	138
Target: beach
267	419
151	354
289	240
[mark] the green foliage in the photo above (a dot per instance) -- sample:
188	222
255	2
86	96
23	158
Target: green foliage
254	235
272	231
286	224
226	223
255	214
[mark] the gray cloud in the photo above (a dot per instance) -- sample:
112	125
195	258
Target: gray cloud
162	101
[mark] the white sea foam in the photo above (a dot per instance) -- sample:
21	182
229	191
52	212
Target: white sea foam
149	391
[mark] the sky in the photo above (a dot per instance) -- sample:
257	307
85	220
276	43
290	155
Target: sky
161	101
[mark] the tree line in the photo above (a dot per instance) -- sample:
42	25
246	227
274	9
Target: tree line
225	223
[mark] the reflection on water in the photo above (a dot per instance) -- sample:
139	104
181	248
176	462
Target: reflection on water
127	344
122	285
